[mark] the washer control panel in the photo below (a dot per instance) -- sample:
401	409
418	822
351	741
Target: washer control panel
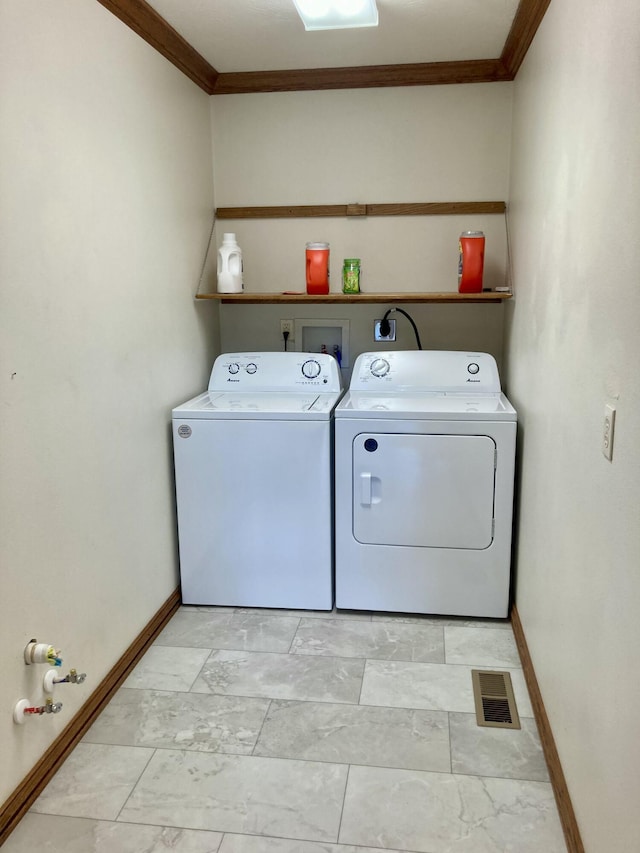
380	367
311	368
275	371
426	370
234	368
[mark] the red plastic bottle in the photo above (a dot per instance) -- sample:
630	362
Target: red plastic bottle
317	265
470	262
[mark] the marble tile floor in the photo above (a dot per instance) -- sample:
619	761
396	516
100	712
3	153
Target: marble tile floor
262	731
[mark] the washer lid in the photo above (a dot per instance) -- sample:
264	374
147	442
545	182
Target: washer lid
239	405
426	406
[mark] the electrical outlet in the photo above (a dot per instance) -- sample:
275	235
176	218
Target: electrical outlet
607	430
377	336
287	326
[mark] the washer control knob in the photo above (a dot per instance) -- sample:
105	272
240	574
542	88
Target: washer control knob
473	368
380	367
311	369
251	367
234	367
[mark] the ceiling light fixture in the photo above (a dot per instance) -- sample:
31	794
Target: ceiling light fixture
337	14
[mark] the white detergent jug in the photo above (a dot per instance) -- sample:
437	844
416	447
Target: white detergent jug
230	266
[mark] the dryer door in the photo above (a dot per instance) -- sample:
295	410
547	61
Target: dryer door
430	491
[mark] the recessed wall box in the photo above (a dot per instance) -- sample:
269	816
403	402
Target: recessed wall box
312	335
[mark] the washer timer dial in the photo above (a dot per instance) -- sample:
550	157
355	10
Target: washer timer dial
311	369
234	367
251	367
380	367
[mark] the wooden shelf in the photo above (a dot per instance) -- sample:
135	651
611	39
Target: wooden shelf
352	298
452	208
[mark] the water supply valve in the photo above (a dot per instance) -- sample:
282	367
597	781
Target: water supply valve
22	710
51	679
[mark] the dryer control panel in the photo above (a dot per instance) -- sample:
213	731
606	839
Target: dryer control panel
442	371
275	371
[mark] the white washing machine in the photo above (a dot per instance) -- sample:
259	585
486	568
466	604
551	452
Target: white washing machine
253	466
424	461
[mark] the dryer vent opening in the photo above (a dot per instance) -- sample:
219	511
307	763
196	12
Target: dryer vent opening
494	700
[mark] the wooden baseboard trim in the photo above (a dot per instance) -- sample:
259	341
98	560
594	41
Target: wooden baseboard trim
556	774
23	797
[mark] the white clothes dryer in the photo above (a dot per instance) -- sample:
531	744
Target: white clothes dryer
253	466
424	470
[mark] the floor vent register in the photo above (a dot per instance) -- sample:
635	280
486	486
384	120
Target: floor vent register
494	699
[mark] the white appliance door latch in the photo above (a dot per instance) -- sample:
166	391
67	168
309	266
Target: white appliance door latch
365	489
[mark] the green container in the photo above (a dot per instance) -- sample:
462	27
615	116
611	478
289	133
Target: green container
351	275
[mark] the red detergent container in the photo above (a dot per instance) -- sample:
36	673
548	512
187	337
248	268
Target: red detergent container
317	262
470	262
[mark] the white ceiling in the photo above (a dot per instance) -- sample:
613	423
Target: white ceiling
268	35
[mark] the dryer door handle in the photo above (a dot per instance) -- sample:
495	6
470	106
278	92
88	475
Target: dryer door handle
365	488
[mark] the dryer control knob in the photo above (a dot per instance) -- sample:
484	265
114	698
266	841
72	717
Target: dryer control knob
380	367
234	367
311	369
473	368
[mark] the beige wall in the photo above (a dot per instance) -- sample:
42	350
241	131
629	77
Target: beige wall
434	143
105	209
573	346
457	327
105	198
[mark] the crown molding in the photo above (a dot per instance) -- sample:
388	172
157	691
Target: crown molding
361	77
149	25
524	27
